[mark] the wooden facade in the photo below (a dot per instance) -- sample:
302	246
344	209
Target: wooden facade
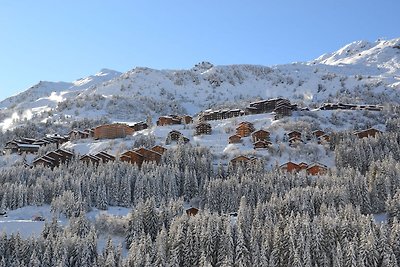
371	132
168	120
260	135
203	128
159	149
104	156
112	131
149	155
234	139
317	169
139	126
239	160
244	129
174	135
186	119
318	133
261	144
192	211
90	159
295	134
221	114
290	167
54	158
132	157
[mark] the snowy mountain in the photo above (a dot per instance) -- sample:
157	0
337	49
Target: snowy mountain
360	72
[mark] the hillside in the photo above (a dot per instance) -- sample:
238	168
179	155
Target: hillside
360	72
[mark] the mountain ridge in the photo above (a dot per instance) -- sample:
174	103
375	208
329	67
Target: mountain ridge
361	72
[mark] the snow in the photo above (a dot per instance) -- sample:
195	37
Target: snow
371	68
381	217
21	220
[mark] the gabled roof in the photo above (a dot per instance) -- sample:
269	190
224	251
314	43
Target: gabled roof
91	157
317	164
260	131
63	151
104	154
287	163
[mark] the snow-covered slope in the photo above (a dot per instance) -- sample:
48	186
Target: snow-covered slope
360	72
48	94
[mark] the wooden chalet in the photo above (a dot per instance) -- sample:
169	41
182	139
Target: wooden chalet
203	128
324	138
192	211
54	158
371	132
149	155
58	157
27	148
293	134
67	155
294	141
290	167
112	131
234	139
260	135
104	156
221	114
159	149
239	160
186	119
78	134
139	126
44	161
270	105
282	111
90	159
132	157
244	129
317	169
318	133
174	135
334	106
168	120
261	144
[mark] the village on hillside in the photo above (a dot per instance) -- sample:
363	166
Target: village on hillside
260	139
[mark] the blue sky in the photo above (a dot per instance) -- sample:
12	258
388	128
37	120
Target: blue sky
65	40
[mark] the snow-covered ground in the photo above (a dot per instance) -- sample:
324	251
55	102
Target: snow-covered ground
22	220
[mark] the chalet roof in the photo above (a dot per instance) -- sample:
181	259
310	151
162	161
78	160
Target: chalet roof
294	132
241	157
28	140
44	159
158	147
142	149
126	153
175	131
369	129
60	150
203	124
260	131
287	163
90	156
105	154
54	153
235	136
317	164
262	142
28	146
